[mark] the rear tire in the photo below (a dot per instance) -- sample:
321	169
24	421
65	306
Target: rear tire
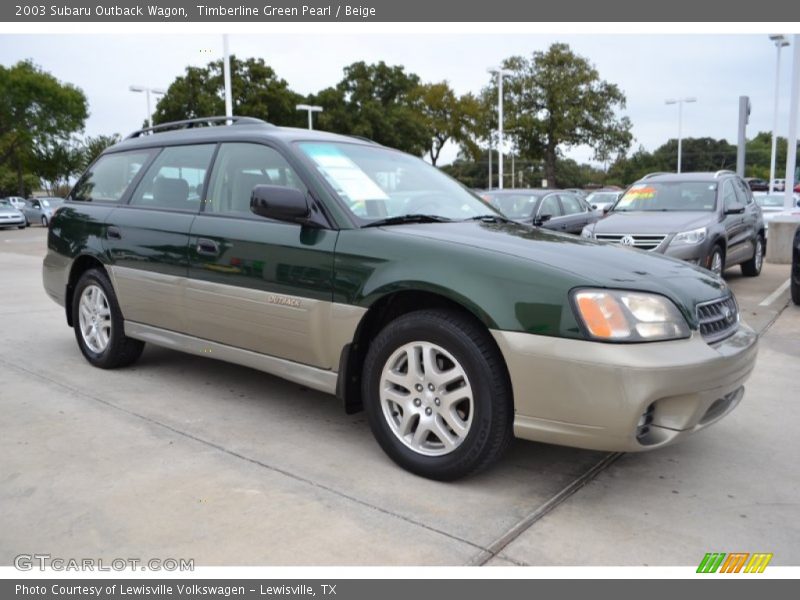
21	226
752	268
437	394
44	221
98	323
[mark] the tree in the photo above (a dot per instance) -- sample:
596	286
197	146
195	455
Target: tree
56	162
37	111
378	102
448	118
256	91
95	146
556	100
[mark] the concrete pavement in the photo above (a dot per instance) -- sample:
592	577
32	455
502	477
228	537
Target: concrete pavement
183	456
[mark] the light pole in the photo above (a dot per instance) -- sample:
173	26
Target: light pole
311	110
780	41
500	72
147	91
226	76
680	102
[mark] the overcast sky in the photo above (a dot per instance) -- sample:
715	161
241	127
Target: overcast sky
716	69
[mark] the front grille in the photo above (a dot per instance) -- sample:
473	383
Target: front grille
718	319
643	241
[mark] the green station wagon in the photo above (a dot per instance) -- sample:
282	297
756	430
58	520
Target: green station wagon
363	272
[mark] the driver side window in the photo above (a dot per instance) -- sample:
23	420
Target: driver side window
730	200
550	206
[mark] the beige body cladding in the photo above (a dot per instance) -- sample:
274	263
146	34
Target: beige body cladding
570	392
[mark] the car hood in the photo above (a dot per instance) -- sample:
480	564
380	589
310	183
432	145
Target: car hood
9	210
651	222
591	263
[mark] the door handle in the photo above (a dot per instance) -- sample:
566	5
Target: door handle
207	247
113	233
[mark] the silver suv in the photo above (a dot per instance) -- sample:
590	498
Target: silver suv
708	219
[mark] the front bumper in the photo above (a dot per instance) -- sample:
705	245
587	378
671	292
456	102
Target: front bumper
594	395
12	221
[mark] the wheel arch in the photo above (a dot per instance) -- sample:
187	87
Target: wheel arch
381	312
80	265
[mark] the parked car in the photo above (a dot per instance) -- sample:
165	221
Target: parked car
602	199
10	216
558	210
17	202
40	210
796	268
771	206
578	192
757	185
364	272
779	185
708	219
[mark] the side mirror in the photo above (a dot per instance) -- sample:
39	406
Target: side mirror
594	206
736	210
541	220
279	203
607	209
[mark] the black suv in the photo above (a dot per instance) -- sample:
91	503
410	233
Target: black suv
708	219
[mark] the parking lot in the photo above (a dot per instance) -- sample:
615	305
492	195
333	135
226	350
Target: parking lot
182	456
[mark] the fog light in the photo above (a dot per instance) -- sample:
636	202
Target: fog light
643	426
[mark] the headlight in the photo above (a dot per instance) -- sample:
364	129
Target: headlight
695	236
586	233
620	316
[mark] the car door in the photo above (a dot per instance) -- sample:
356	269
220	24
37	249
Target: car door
576	213
733	207
752	219
257	284
147	237
550	206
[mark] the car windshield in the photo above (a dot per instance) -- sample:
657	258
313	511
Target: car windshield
603	197
669	196
377	183
770	201
515	206
4	202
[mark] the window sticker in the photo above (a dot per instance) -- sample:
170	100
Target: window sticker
635	193
343	174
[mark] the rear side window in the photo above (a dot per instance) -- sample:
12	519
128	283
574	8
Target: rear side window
238	168
572	205
550	206
175	179
109	177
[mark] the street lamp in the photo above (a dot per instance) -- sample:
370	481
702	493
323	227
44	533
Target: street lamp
500	72
311	110
780	41
147	91
680	102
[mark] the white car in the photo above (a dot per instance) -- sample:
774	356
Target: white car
17	202
10	216
772	205
601	199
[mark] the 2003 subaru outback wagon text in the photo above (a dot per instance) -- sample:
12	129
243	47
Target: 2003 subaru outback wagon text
358	270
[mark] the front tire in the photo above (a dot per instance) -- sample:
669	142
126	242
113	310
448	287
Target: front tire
716	260
98	323
752	268
437	394
44	221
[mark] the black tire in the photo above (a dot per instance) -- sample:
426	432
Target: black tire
796	289
752	268
472	347
121	350
716	250
44	221
21	226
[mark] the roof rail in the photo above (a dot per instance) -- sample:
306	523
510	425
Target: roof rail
191	123
649	175
724	172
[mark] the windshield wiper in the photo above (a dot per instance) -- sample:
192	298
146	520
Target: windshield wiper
490	217
412	218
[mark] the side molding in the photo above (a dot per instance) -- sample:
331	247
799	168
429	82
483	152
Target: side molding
312	377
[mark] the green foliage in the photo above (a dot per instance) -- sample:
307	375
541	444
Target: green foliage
38	114
556	100
9	185
256	91
378	102
449	117
56	162
95	146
